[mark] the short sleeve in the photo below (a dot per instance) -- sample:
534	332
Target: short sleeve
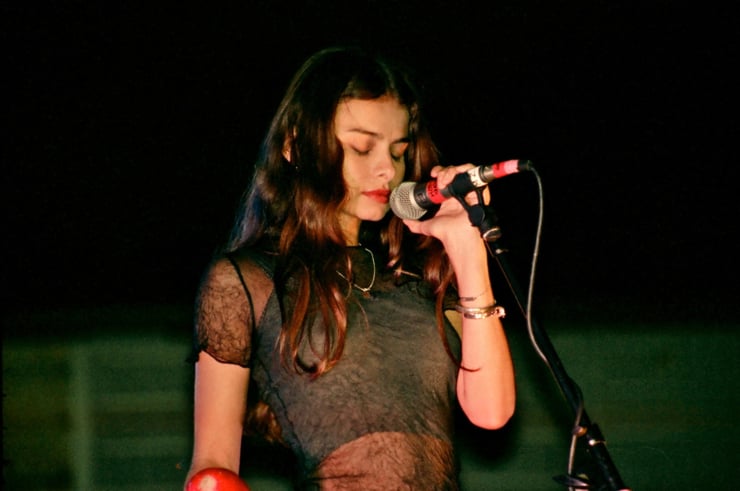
224	315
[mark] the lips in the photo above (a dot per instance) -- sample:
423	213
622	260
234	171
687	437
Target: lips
379	195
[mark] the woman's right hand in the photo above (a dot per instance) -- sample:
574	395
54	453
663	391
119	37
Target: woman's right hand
216	479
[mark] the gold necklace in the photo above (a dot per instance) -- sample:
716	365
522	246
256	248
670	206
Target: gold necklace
364	289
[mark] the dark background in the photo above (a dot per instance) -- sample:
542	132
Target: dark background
131	129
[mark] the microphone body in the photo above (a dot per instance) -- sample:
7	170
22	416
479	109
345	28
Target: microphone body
415	201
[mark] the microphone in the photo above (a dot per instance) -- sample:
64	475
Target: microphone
412	201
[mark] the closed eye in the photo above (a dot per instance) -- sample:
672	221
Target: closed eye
398	150
360	151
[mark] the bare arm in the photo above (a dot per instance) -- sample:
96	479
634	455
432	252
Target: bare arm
485	387
223	325
220	405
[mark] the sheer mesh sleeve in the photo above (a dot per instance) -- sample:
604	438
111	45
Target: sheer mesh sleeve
232	294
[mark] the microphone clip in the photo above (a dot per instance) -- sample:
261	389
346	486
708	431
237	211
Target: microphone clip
481	216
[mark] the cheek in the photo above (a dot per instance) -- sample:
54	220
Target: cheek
398	176
353	175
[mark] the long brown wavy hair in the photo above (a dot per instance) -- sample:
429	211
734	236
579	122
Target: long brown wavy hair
293	203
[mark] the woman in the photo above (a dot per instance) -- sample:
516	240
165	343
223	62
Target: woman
357	331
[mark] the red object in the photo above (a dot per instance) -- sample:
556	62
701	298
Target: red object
216	479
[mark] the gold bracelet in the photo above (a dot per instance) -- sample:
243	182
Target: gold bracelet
481	312
471	299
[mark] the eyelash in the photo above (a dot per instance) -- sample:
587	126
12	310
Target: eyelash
365	153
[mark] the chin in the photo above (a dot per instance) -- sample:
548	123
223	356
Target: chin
373	217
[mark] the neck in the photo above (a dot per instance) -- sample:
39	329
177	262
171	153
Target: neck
352	241
350	229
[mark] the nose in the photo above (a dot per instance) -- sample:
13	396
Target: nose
385	167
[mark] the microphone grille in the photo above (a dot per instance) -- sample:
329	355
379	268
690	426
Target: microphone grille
403	204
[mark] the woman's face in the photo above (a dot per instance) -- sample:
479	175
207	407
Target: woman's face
374	136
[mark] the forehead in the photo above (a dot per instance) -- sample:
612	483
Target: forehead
384	117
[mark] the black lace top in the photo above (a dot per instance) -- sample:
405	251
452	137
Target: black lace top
382	417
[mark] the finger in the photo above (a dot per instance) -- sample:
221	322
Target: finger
435	171
445	175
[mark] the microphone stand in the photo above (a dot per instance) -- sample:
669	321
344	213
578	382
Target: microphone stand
483	217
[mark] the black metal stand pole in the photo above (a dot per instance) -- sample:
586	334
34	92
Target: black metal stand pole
482	216
587	431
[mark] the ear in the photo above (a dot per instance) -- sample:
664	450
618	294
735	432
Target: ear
287	143
286	149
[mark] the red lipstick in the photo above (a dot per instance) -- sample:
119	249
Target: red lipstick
379	195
